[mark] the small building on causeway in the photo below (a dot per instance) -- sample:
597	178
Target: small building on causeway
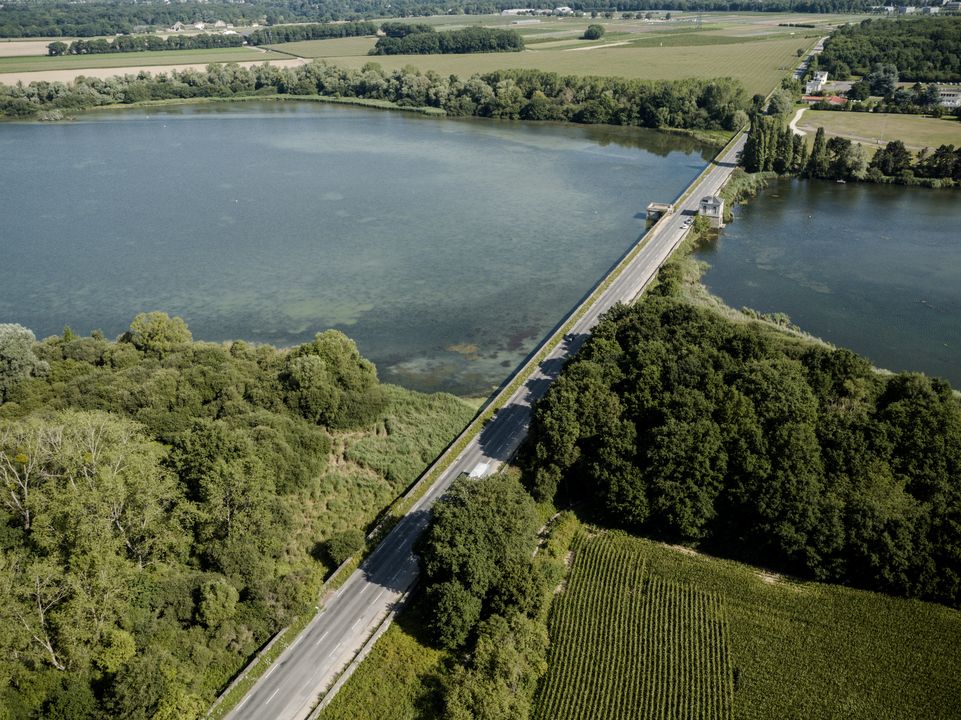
712	207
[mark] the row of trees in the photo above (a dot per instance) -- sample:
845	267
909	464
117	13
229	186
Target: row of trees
309	31
147	490
773	147
140	43
526	94
678	422
924	49
466	40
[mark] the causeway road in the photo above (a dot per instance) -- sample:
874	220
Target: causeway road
299	678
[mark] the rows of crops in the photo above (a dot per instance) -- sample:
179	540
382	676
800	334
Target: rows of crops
629	644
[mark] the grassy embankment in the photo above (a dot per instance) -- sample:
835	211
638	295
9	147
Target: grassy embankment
874	130
648	630
26	64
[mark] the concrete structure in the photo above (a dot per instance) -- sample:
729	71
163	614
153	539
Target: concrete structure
656	210
563	10
952	7
712	207
907	9
930	10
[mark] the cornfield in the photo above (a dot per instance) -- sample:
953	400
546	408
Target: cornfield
630	644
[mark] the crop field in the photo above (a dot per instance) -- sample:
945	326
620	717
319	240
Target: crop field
877	129
759	65
648	630
628	644
133	59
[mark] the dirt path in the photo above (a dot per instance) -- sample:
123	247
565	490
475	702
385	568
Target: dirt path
597	47
68	75
794	122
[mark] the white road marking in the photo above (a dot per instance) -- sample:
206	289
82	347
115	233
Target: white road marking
272	695
321	639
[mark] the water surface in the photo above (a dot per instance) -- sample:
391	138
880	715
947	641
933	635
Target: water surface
874	268
445	248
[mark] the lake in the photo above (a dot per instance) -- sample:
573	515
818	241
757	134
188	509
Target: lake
874	268
446	248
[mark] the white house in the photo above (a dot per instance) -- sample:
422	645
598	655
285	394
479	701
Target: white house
816	84
949	96
563	10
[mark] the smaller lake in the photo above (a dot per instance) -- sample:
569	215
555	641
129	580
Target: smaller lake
873	268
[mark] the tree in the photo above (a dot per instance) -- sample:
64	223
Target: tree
818	162
157	333
893	159
218	602
479	529
343	545
17	360
593	32
781	103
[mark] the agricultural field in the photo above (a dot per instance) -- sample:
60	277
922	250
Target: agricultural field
752	47
759	65
628	644
25	64
648	630
877	129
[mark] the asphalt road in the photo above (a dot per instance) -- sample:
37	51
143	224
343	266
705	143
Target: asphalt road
297	680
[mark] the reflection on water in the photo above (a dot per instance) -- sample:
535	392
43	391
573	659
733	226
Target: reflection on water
418	237
873	268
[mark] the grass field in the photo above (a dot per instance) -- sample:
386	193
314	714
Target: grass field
759	65
877	129
133	59
698	637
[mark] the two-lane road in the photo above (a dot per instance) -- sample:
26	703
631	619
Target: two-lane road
293	686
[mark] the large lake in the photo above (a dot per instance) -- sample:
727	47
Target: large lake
445	248
873	268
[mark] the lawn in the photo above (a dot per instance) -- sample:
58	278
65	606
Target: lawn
877	129
759	65
133	59
645	629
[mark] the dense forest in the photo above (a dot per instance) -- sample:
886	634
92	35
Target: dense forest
926	49
141	43
309	31
526	94
424	40
62	18
752	443
165	504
